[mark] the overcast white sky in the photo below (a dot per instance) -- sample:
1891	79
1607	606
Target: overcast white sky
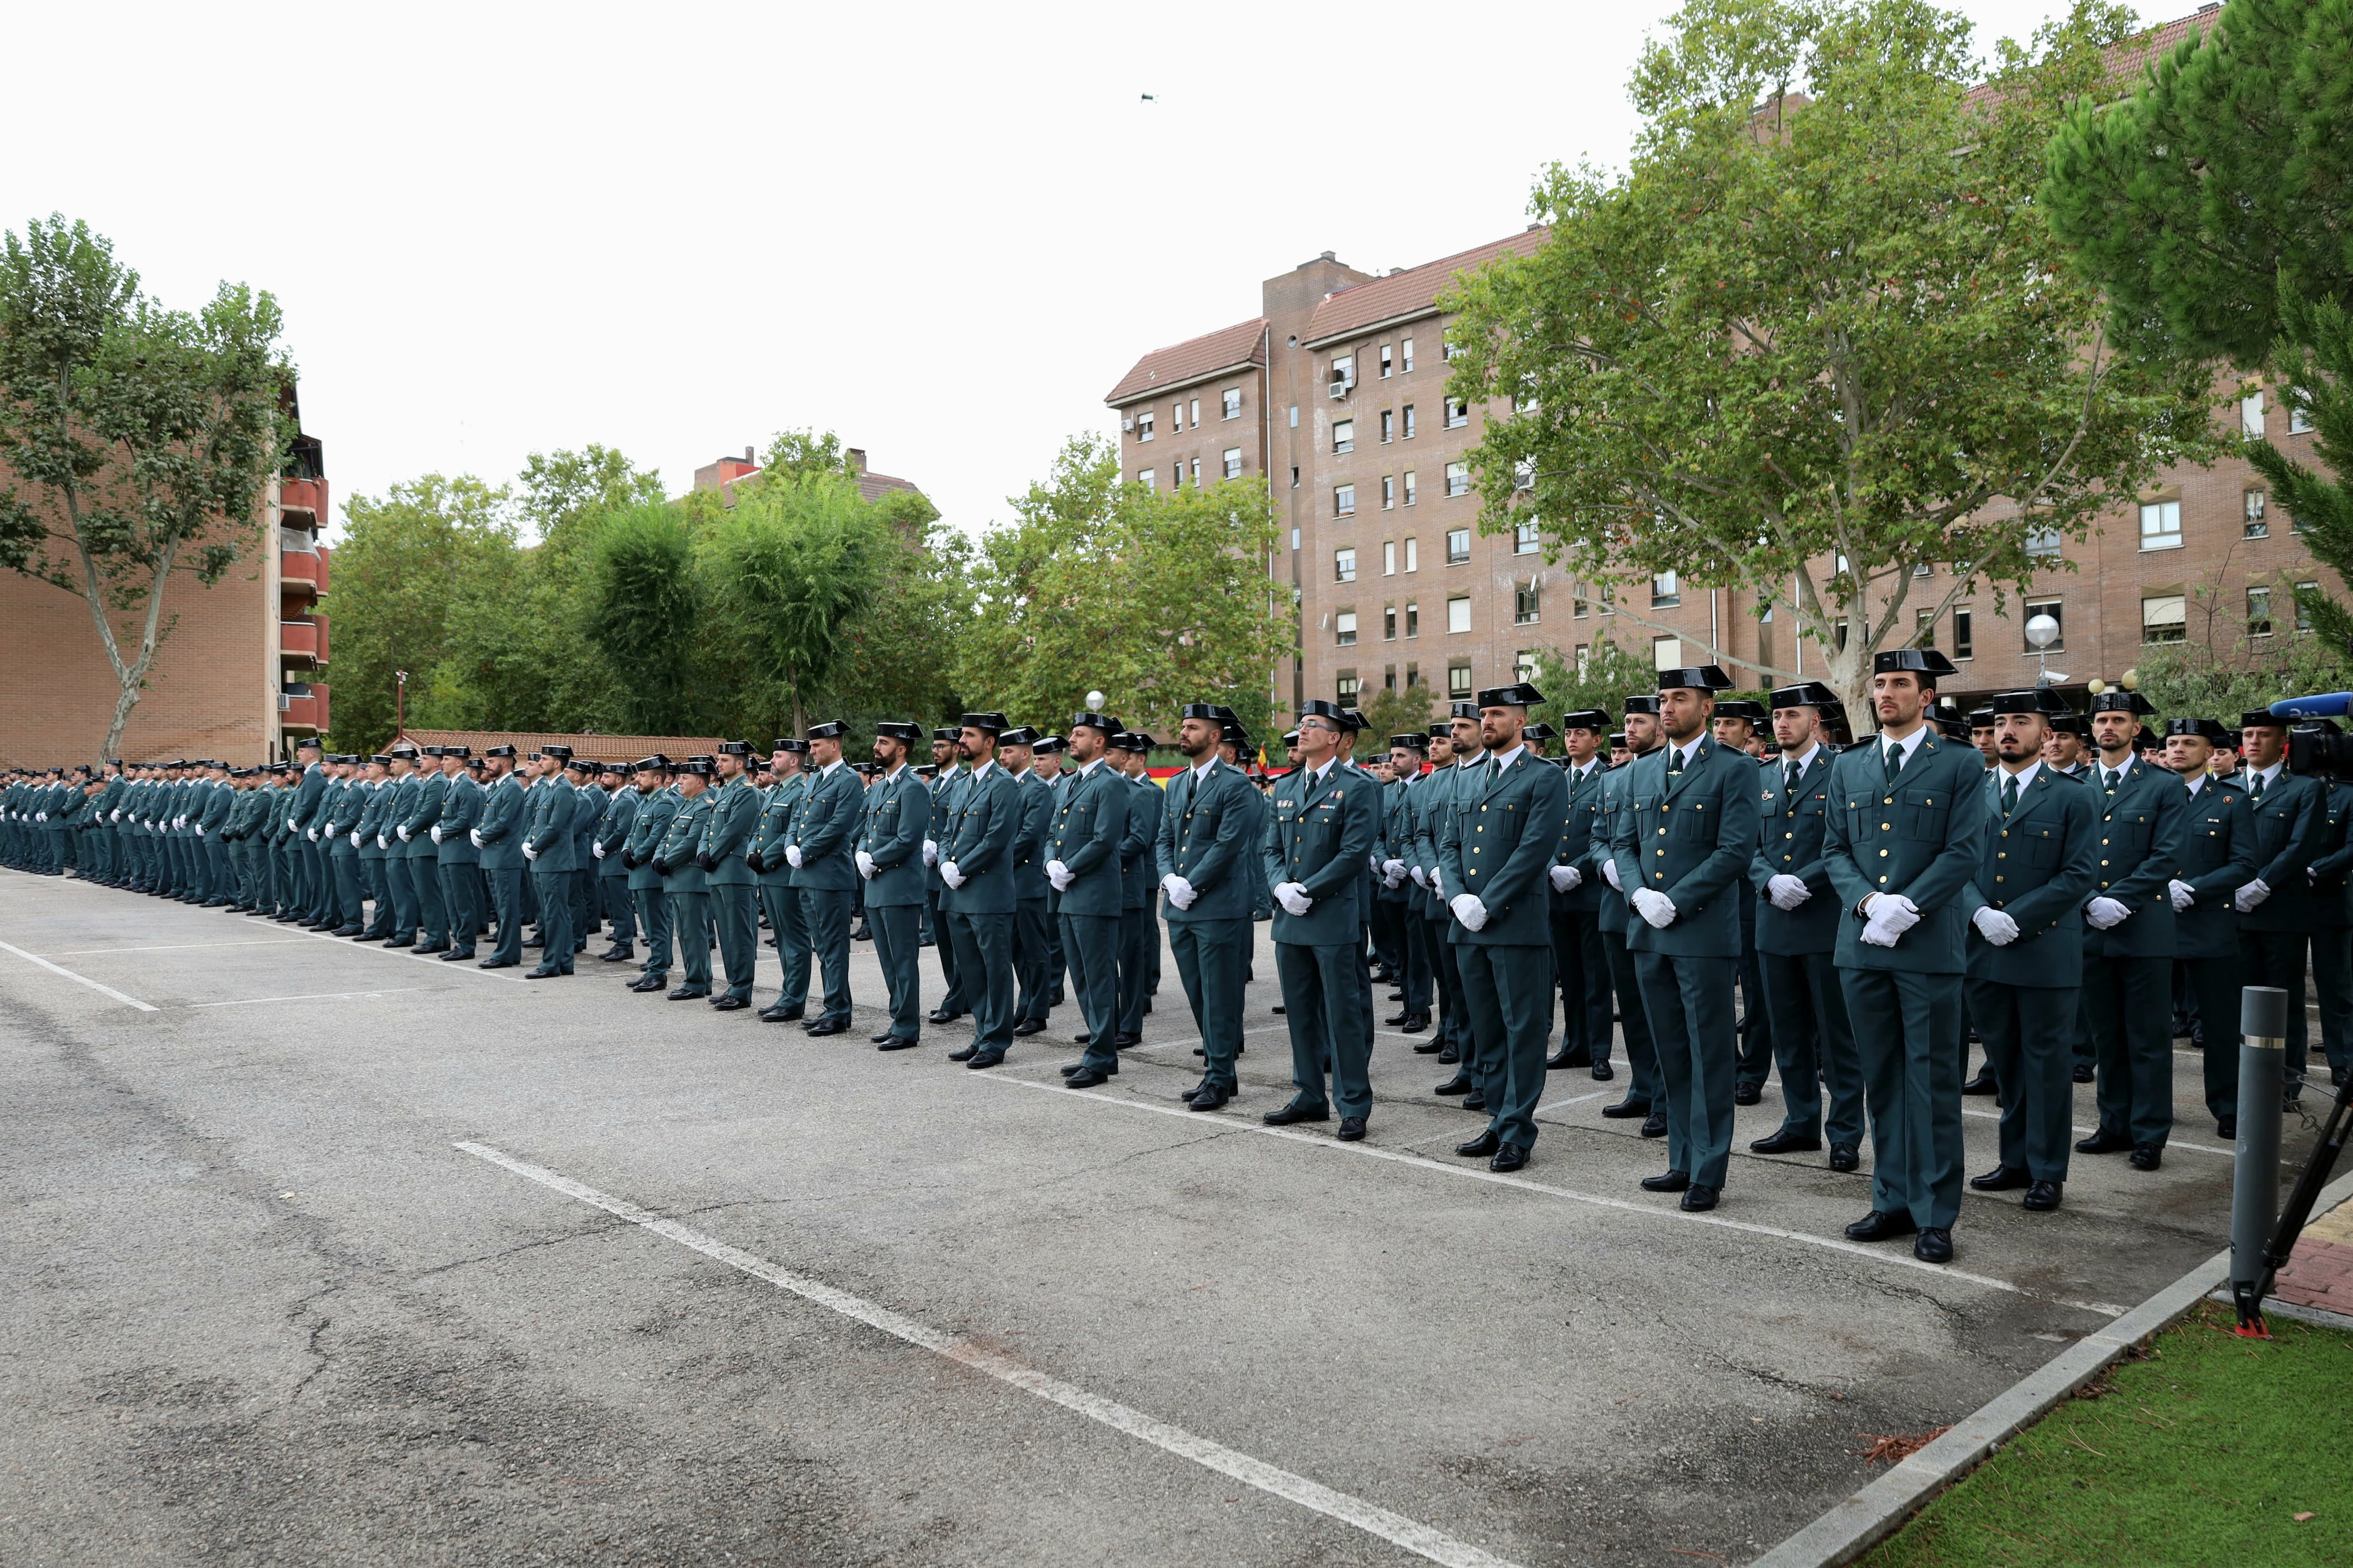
943	232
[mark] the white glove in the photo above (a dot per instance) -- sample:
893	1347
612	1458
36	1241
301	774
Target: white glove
437	833
1294	897
1653	906
1438	881
1877	935
1420	877
474	836
1609	874
1995	926
290	826
594	849
1392	873
1373	862
313	835
180	821
1468	910
2184	895
380	842
931	853
529	853
950	875
2104	912
40	816
355	837
115	815
1180	891
1056	872
402	830
1900	914
2253	893
1786	892
865	865
1565	879
200	830
793	856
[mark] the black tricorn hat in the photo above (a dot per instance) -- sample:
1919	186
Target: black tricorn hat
1924	661
1982	717
1592	719
1805	694
1353	717
429	751
1230	730
1696	677
831	729
1411	741
698	765
2115	701
986	723
735	748
1051	743
307	743
1747	708
2071	723
1953	726
455	752
1642	704
1464	710
1092	721
2205	729
1289	740
947	732
1020	735
787	744
560	753
656	764
890	728
1617	739
1315	707
1136	740
927	771
382	757
2040	700
1204	710
2260	719
499	752
1519	694
1540	731
1440	729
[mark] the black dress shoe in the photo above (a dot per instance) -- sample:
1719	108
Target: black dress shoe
1394	1020
1278	1007
1209	1097
1881	1226
687	993
541	972
987	1059
1474	1100
1448	1057
2001	1179
423	950
1845	1157
828	1026
2226	1127
1122	1042
1351	1130
896	1043
1482	1146
1029	1027
1084	1037
2103	1142
1699	1198
1415	1025
787	1015
1934	1245
497	963
942	1015
1459	1084
649	983
1785	1142
1667	1182
1603	1072
1295	1112
1568	1057
725	1004
457	954
1111	1071
2147	1156
1981	1084
1655	1124
1509	1157
965	1054
2042	1198
2083	1073
878	1039
1747	1093
1622	1109
1085	1077
1429	1048
397	945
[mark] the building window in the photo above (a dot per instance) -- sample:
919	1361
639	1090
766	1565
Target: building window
1924	628
1584	660
1345	624
1344	565
1385	365
1412	676
1294	416
1458	479
1388	623
1343	435
1412	620
1458	681
2160	525
2164	617
1233	462
1176	418
2056	610
2251	416
1458	614
1347	689
1665	591
1388	424
1406	414
1233	402
1458	546
1453	352
1389	492
1412	550
1579	609
1406	348
1144	477
1389	677
1964	634
1197	414
1839	632
1344	374
1389	557
1294	476
1408	493
1197	473
1524	606
2043	543
1294	539
1458	413
2259	612
2258	506
1524	665
1343	501
1925	569
2303	615
2299	412
1143	426
1666	653
1527	537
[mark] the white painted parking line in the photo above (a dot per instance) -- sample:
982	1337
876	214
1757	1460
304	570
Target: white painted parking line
77	979
308	996
1891	1257
1372	1519
175	947
2171	1144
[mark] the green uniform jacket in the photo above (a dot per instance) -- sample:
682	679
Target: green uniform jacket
898	817
1208	836
613	830
825	826
981	828
1791	823
461	808
1917	835
1500	847
1692	836
677	846
2141	821
548	833
502	824
1087	833
1318	835
2036	868
727	835
655	813
2291	832
775	831
424	811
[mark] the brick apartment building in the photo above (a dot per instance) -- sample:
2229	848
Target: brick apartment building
723	473
1336	393
237	679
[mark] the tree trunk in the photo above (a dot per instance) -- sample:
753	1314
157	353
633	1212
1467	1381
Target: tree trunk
130	677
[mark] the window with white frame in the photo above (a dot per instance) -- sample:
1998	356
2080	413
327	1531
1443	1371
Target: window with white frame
1176	418
1389	492
2299	412
2257	505
1406	349
2160	525
1389	557
1406	415
1412	619
1666	653
1458	546
1232	398
2164	617
1458	479
1343	564
1388	623
1233	462
1197	414
1526	606
1527	537
2303	613
1387	363
1144	477
2259	612
2045	544
1458	681
1408	487
1665	591
1143	425
1388	424
1344	501
1343	370
1458	414
1343	435
1344	627
1458	612
2250	414
1412	555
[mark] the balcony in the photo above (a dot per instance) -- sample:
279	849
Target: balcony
304	642
303	572
304	495
302	707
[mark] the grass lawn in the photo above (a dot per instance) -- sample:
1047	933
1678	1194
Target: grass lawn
2209	1450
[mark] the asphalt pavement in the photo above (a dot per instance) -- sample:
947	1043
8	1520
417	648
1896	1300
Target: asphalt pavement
319	1253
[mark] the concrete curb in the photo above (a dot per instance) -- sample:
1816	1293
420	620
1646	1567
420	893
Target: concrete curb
1862	1521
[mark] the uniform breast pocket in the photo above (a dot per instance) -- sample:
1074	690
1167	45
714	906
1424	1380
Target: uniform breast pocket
1924	814
2040	850
2127	834
1689	823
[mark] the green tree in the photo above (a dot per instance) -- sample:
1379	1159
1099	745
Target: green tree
1802	349
646	607
1395	712
141	440
798	563
1155	598
1603	679
2215	209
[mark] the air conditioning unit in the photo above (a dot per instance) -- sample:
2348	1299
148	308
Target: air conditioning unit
1127	424
1340	388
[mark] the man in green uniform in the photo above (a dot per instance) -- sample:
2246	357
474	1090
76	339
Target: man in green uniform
351	798
778	895
1139	933
1083	869
735	906
1423	800
1206	851
1466	752
587	807
498	834
1576	890
890	860
2291	832
2217	859
613	897
459	865
547	847
657	803
946	777
1401	899
684	887
976	876
414	832
1906	826
1017	755
818	846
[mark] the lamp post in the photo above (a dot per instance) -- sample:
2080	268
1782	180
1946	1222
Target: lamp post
2041	631
399	703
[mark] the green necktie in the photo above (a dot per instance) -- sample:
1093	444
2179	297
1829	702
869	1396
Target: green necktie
2107	778
2009	793
1791	786
2255	790
1894	759
1675	759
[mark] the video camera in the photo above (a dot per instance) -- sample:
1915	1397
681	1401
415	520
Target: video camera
2317	750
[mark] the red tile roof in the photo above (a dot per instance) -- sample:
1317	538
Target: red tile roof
1180	364
2129	59
1413	293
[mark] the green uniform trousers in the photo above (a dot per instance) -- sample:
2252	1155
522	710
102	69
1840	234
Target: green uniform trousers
1813	1045
506	900
1327	1005
1688	1002
783	906
2028	1034
897	930
555	926
826	912
691	919
1508	993
2131	1002
1634	1020
1907	1028
735	913
461	885
1090	943
1213	963
654	921
984	945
